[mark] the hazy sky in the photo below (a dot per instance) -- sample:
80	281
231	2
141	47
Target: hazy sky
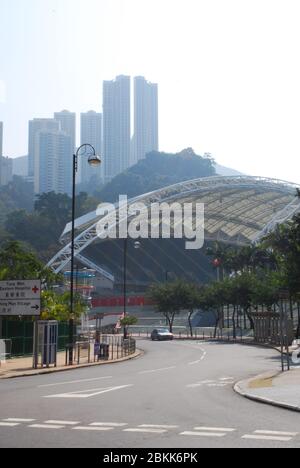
228	71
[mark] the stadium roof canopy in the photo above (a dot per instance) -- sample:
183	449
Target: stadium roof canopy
238	210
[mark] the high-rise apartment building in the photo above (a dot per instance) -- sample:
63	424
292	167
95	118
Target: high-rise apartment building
91	132
116	126
6	164
6	170
67	122
35	127
53	173
145	137
1	139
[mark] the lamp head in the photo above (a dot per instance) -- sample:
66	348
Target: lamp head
94	160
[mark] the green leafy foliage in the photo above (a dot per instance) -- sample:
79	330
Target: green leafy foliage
19	263
57	307
42	228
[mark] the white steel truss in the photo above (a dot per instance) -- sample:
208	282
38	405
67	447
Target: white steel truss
273	210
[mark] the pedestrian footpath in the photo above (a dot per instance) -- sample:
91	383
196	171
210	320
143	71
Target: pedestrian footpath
277	389
22	367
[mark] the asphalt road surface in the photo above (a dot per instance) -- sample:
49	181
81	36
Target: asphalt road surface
178	395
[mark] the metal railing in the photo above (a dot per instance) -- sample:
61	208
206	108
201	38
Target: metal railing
109	348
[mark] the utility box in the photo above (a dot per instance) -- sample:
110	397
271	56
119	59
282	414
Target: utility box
45	343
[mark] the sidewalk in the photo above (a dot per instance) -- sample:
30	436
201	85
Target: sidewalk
273	388
22	367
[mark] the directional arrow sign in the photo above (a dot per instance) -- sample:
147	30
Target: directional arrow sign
20	298
20	307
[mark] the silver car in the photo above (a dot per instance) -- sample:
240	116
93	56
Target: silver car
162	334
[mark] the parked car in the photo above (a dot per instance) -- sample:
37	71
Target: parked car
161	334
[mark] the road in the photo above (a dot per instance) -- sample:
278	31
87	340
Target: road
178	395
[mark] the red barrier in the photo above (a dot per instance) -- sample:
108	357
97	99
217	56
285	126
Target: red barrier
133	301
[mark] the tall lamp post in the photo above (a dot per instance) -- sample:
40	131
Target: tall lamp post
93	160
137	246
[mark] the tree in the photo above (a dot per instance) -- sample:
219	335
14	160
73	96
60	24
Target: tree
193	301
127	322
18	263
42	228
57	306
170	299
213	297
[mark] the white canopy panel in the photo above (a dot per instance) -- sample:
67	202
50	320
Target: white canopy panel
238	210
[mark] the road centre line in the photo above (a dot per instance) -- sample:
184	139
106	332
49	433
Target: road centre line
74	382
157	370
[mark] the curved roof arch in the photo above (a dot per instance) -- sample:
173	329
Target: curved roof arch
238	210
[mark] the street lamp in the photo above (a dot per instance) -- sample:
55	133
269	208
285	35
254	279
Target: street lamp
137	246
93	160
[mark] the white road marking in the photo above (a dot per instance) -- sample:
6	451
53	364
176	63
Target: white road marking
97	424
215	429
62	423
157	426
46	426
277	433
224	379
91	428
18	420
88	393
265	438
73	382
157	370
203	434
199	360
147	431
206	382
218	385
7	424
194	385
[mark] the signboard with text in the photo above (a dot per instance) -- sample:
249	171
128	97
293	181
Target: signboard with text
20	298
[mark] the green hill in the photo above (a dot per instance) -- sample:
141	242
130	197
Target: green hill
156	171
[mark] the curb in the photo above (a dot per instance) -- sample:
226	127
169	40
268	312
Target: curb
139	353
240	391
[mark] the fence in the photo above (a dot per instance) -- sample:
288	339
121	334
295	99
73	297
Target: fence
20	333
109	348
